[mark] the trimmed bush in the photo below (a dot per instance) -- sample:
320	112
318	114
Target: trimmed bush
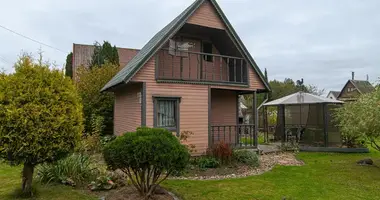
73	170
208	162
40	116
148	156
246	157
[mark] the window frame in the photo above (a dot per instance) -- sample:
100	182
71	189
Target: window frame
177	100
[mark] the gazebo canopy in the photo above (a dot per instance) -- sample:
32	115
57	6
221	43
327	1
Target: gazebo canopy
302	98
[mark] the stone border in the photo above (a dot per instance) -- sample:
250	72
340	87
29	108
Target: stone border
267	162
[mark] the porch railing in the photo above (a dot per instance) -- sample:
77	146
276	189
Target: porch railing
238	136
197	66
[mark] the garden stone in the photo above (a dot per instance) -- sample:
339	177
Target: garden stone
160	190
366	161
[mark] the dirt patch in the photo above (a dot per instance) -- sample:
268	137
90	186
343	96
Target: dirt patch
267	162
129	193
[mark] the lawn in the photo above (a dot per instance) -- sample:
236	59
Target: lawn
10	179
325	176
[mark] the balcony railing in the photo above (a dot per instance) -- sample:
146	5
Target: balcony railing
238	136
202	67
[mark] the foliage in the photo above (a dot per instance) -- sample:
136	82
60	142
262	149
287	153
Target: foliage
106	139
148	156
208	162
221	151
96	104
359	121
246	157
104	54
102	183
74	169
183	139
40	116
69	65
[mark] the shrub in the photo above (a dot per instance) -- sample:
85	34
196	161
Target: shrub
89	83
73	170
148	156
246	157
40	116
359	121
208	162
221	151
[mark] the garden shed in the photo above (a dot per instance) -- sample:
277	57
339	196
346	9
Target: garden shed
306	119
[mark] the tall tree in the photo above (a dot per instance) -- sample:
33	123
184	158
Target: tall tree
69	65
40	117
105	53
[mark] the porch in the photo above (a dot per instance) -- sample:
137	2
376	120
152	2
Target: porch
224	123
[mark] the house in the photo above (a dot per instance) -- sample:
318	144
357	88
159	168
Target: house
333	95
82	55
354	88
188	77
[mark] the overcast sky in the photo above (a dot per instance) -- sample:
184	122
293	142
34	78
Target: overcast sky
321	41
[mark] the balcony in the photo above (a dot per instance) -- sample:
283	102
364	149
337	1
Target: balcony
200	67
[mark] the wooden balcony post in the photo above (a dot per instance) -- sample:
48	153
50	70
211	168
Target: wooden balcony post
256	117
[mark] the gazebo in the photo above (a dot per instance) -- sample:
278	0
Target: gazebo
306	118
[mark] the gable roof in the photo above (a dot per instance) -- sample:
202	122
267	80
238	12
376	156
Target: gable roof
334	93
165	34
362	86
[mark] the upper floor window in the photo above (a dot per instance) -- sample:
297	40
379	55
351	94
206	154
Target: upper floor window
350	89
207	48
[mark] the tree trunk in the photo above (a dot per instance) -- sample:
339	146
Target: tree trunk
27	178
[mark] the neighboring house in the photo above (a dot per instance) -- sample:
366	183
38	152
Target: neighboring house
333	95
354	88
82	55
188	77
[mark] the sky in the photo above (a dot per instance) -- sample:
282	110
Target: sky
321	41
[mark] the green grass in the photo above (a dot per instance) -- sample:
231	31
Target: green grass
10	180
325	176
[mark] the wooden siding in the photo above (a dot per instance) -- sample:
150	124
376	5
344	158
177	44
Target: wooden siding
346	95
206	15
193	106
223	112
127	110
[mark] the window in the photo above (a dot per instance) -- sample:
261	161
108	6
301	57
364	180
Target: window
207	48
166	111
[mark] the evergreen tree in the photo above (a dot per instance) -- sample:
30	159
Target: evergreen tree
104	53
69	65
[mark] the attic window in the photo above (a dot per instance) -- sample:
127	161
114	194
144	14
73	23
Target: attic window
207	48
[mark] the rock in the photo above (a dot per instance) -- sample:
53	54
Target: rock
366	161
160	190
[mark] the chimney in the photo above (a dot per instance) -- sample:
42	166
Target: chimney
353	75
367	77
